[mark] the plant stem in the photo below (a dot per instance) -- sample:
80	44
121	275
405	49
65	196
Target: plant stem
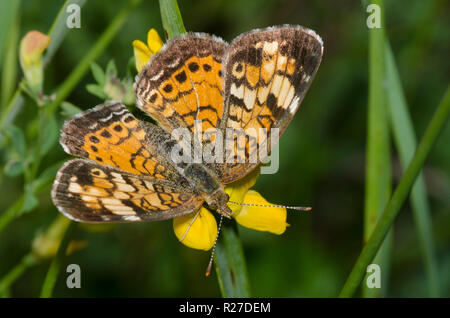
53	271
230	263
405	142
26	262
12	211
378	168
171	18
9	72
59	29
385	222
84	65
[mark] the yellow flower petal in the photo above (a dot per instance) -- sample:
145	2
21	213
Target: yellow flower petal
154	42
238	189
202	231
269	219
141	54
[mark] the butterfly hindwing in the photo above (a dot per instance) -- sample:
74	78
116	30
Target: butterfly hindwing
89	192
267	75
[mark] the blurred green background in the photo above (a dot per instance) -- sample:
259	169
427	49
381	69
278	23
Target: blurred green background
322	157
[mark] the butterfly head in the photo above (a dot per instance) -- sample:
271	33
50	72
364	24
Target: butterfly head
218	201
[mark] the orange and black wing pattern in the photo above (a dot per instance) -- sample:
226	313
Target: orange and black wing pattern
267	75
109	134
183	83
89	192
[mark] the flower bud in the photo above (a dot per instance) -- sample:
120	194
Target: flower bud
32	45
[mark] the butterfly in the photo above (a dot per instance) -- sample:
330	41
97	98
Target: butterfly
128	172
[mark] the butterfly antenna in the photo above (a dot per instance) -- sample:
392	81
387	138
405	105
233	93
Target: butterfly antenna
208	269
298	208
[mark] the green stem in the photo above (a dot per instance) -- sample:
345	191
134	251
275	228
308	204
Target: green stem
405	142
171	18
13	108
230	263
9	73
84	65
59	29
378	168
44	180
7	216
53	271
385	222
26	262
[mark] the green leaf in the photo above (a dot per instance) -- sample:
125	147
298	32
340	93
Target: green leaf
129	97
96	90
17	140
69	109
50	132
131	67
98	74
14	167
46	177
30	202
111	69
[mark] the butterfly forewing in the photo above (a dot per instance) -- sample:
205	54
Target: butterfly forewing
183	83
267	75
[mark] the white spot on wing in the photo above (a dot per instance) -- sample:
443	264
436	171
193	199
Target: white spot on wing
294	105
237	91
131	218
249	98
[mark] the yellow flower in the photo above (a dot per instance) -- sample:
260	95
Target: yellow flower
254	215
198	230
143	52
269	219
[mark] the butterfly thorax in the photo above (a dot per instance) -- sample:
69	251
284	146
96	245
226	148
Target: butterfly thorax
209	186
